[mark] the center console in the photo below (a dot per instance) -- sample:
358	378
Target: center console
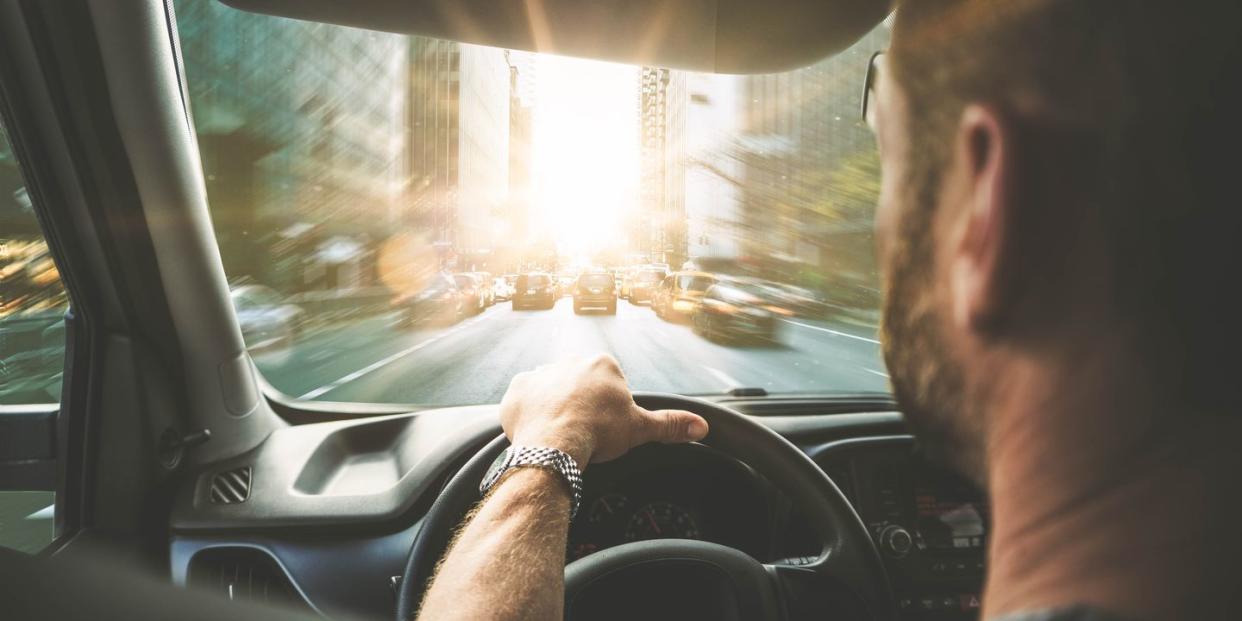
930	525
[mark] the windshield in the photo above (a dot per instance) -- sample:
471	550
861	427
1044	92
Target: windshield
534	280
595	280
350	172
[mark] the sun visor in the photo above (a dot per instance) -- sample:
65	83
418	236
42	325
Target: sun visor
719	36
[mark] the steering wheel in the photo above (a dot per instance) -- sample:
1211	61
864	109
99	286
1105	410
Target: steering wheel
729	582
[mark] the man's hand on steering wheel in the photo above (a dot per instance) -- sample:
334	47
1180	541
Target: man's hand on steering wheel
584	408
508	561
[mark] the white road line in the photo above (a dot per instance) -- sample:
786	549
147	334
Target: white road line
326	388
46	513
722	376
874	372
845	334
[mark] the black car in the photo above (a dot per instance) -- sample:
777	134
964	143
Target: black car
439	303
735	311
595	290
536	290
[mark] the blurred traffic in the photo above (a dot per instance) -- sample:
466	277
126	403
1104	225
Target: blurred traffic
696	332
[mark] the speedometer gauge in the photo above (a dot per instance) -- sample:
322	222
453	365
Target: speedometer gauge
607	507
661	520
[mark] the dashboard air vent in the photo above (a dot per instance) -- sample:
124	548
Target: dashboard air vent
243	574
231	487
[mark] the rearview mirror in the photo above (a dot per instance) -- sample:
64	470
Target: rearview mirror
718	36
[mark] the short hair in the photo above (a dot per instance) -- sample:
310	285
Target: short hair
1151	89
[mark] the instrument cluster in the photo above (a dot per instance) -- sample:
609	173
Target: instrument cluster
661	492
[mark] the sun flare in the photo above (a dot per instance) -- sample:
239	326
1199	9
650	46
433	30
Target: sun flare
586	153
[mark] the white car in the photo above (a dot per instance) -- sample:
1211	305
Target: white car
502	289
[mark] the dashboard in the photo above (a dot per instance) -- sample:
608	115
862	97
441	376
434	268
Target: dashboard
930	525
322	531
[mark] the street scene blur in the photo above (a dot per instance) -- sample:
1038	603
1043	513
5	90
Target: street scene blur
408	220
32	300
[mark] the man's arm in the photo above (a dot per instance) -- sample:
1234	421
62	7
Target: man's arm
509	560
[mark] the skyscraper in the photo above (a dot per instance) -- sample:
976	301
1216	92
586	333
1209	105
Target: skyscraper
659	229
294	142
713	195
458	137
809	167
521	149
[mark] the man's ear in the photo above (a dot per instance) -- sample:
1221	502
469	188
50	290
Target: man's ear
982	243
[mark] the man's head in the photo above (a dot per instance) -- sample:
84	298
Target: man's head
1056	177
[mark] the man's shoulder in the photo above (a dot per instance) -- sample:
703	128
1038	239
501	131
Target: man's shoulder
1079	613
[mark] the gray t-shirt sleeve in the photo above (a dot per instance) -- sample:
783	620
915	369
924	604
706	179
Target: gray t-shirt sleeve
1078	613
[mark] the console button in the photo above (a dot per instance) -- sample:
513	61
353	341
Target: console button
896	541
969	602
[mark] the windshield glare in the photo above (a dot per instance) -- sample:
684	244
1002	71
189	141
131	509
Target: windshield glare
596	280
356	176
532	281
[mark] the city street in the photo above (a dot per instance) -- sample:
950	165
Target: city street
473	360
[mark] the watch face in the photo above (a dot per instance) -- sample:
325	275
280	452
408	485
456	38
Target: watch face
497	465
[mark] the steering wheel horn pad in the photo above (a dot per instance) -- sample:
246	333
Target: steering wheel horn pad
848	560
710	580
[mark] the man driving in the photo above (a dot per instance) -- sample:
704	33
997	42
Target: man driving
1056	228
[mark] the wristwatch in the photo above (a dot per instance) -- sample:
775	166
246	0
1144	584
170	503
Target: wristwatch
528	456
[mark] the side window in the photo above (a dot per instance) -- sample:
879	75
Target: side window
32	353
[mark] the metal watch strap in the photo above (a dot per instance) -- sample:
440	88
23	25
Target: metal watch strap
542	457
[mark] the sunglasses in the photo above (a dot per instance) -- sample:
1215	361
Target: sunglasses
868	94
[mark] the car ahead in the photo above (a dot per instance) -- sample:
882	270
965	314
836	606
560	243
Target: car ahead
680	293
264	317
534	290
439	303
735	311
642	285
596	290
501	289
473	294
623	284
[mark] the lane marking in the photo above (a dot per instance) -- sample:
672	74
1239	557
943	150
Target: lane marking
46	513
383	362
874	372
725	378
845	334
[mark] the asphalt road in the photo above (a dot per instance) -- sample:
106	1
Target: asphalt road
472	361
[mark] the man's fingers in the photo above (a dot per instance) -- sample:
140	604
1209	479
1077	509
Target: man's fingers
671	426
